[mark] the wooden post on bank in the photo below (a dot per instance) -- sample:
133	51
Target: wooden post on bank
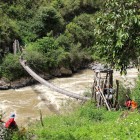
117	95
41	120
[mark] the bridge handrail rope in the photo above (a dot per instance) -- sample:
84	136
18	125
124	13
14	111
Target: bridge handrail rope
48	84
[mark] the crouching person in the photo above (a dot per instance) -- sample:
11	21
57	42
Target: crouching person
131	104
11	124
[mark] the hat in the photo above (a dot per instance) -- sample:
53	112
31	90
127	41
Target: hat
12	115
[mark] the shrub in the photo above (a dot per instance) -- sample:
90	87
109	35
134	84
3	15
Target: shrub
11	68
91	112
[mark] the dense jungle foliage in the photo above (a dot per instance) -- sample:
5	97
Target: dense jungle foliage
68	33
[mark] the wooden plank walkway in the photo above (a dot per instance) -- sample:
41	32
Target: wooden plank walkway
50	85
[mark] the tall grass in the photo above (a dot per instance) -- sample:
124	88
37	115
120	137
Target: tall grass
80	125
86	123
102	126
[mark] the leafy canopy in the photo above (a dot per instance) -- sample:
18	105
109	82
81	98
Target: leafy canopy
117	32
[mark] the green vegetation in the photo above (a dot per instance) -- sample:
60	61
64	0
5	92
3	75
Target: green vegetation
10	68
88	123
70	33
117	32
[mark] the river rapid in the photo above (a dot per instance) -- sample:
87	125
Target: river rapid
26	102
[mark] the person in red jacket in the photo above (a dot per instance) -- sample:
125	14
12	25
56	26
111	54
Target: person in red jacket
11	124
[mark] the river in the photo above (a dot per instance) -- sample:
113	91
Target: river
26	102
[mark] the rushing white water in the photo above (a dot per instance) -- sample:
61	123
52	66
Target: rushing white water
26	102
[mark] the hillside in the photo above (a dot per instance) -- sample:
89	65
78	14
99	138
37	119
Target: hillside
68	34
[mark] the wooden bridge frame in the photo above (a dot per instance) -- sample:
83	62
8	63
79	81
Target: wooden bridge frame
103	79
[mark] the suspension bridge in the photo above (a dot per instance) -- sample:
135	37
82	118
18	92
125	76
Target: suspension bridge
50	85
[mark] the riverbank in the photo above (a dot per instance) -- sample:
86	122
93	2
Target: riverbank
26	102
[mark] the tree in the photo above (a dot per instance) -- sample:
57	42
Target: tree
52	54
84	30
47	19
72	8
118	32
